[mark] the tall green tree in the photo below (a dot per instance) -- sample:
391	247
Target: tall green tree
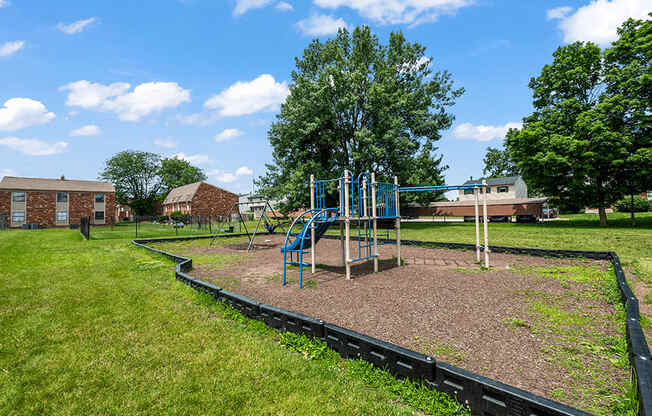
628	76
175	172
574	146
135	176
360	105
497	163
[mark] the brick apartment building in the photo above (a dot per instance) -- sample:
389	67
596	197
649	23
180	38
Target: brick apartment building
199	198
55	202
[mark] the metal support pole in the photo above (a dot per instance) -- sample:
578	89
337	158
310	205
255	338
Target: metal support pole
486	226
477	225
347	225
312	224
374	212
365	224
398	225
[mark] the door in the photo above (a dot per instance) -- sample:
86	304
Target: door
61	212
18	208
98	209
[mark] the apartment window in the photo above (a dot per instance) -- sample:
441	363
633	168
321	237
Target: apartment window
99	198
468	192
18	216
502	189
18	196
62	216
62	197
99	215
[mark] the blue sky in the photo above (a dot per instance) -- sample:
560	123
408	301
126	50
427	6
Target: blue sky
80	80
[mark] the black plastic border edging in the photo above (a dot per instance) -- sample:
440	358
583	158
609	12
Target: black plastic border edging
484	396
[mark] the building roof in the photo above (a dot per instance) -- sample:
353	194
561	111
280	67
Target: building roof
505	180
514	201
185	193
61	185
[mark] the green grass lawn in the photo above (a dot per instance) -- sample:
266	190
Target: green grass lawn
580	232
102	327
131	230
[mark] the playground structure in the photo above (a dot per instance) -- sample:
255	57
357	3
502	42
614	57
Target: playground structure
226	224
362	202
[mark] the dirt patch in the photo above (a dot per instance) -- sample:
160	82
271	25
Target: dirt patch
551	333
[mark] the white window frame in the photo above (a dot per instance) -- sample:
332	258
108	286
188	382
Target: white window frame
502	189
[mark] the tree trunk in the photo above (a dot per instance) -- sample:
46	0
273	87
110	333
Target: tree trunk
603	216
632	213
601	206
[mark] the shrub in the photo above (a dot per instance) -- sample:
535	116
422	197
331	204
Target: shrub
177	216
640	204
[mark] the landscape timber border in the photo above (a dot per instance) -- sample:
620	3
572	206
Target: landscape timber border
484	396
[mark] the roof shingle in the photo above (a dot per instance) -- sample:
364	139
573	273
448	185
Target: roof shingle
63	185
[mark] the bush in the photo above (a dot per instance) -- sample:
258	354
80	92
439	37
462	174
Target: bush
640	204
177	216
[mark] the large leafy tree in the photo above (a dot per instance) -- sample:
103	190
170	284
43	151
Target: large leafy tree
497	163
577	145
175	172
135	176
629	83
360	105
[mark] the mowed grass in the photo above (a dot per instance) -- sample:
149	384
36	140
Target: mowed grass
580	232
125	230
102	327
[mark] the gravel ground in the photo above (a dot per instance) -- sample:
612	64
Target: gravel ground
441	302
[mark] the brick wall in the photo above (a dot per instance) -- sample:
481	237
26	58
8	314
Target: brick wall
41	207
213	201
5	202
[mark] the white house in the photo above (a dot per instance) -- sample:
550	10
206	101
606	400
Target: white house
508	187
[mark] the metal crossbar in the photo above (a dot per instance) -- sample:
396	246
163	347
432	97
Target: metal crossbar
439	188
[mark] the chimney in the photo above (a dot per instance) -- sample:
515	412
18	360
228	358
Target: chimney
63	178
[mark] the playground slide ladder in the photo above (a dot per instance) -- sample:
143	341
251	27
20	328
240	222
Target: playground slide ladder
298	244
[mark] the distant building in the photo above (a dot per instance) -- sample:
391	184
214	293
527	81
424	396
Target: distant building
647	195
254	203
508	187
123	212
507	198
199	198
55	202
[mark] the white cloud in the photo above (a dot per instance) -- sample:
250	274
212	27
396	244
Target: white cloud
242	98
75	27
412	12
243	6
145	99
284	6
243	171
7	172
4	3
148	98
558	12
597	21
230	177
10	48
167	142
92	95
482	133
320	25
228	134
19	113
88	130
197	159
33	147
